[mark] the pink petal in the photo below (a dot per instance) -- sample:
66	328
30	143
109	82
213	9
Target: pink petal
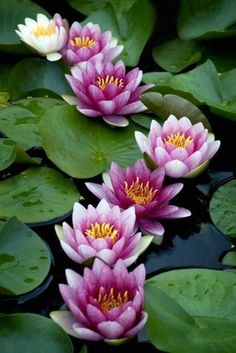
176	169
86	334
87	251
110	329
108	256
141	140
71	253
89	112
184	124
122	99
139	274
170	125
139	326
107	107
170	191
64	319
94	315
150	226
96	93
127	318
179	153
194	160
161	156
73	278
135	107
116	120
212	149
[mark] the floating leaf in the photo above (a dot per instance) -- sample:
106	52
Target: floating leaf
194	21
12	13
20	121
230	258
32	333
19	272
37	77
132	27
223	208
37	195
88	6
175	55
10	152
84	147
192	310
164	106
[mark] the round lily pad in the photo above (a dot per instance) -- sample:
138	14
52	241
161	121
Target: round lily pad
19	272
84	147
192	310
223	208
38	194
32	333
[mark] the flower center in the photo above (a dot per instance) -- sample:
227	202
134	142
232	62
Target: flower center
83	42
103	230
41	30
139	192
178	140
104	82
111	299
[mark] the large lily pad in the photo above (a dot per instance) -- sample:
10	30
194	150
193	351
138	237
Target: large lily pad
223	208
37	77
12	13
132	27
192	310
37	195
176	54
10	152
194	21
88	6
19	272
84	147
20	121
32	333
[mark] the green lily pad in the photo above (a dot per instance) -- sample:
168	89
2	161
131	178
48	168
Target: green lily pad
19	272
84	147
32	333
164	106
20	121
223	208
37	77
37	195
192	310
206	19
175	55
132	27
89	6
10	152
230	258
12	13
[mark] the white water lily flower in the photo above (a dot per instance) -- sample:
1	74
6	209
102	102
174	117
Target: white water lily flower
46	36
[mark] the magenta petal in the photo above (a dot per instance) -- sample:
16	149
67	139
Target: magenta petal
139	274
96	93
116	120
122	99
135	107
86	333
179	153
194	160
97	190
110	329
179	213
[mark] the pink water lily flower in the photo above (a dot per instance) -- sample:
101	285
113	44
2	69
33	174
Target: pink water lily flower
105	232
105	90
46	36
137	186
181	147
104	304
89	43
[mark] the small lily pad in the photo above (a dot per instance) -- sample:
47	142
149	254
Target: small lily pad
38	194
223	208
32	333
10	153
19	272
192	310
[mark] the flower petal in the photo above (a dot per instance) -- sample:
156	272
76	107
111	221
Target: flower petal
110	329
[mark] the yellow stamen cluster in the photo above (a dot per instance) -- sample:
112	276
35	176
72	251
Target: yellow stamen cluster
112	299
103	82
139	192
103	230
178	140
41	30
83	42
